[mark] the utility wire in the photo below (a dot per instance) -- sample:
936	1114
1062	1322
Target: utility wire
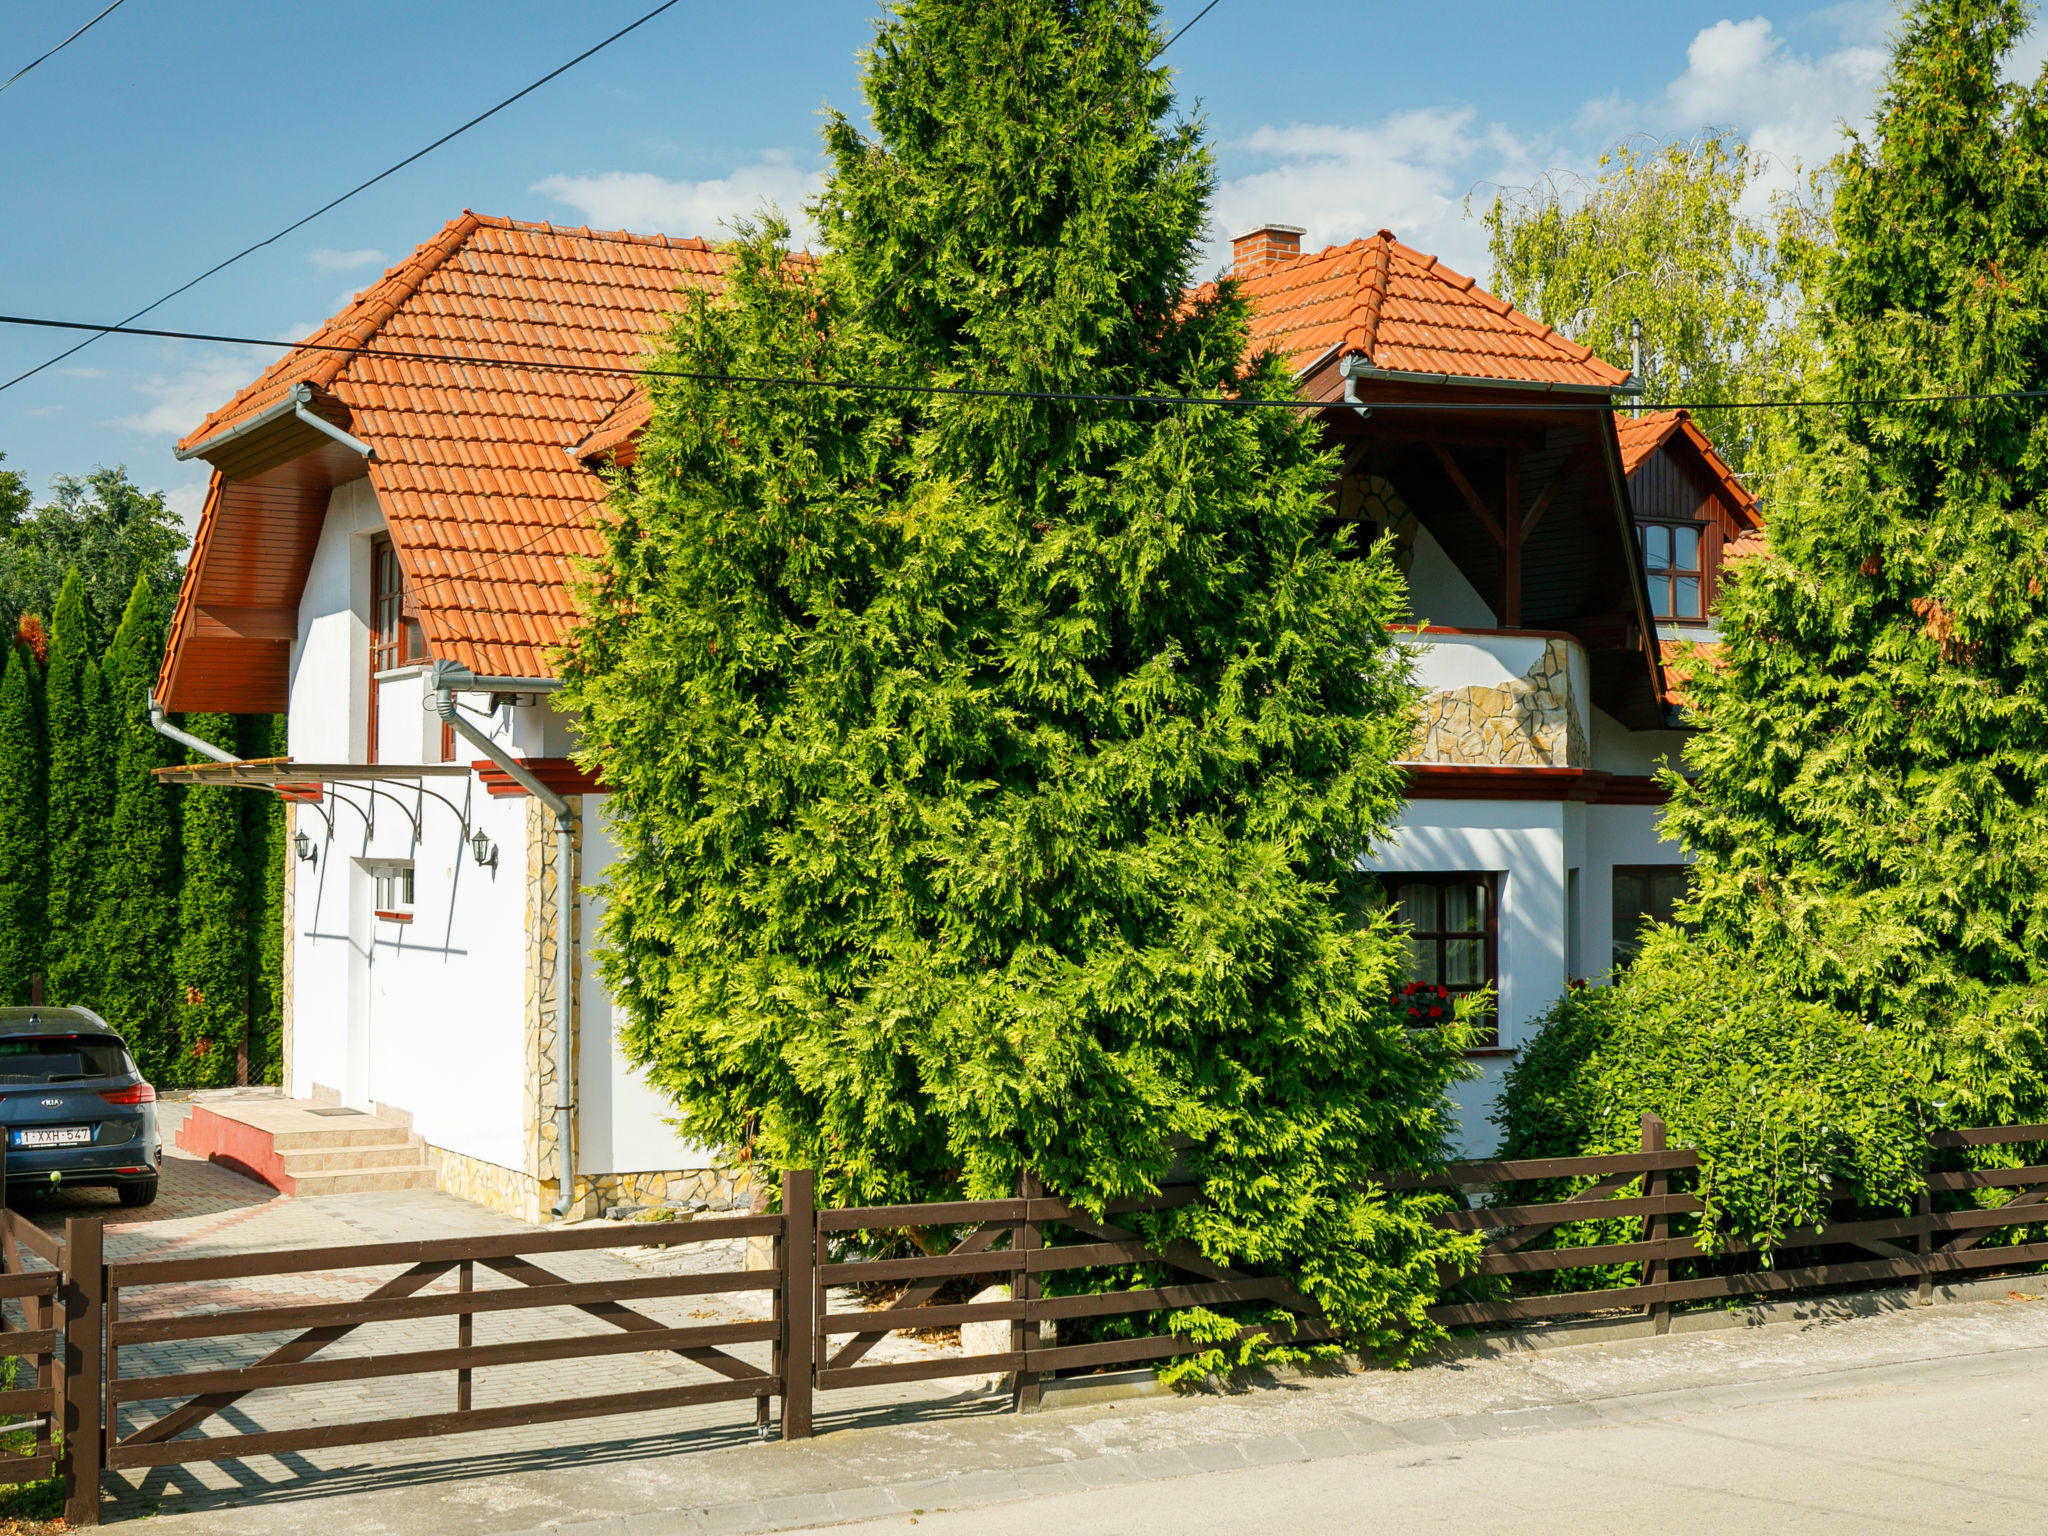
74	37
391	170
1595	402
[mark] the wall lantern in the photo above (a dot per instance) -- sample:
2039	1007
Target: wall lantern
486	852
305	846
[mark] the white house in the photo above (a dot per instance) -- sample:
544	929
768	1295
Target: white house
386	551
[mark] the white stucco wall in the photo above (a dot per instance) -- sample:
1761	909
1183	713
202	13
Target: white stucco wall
624	1123
1438	592
426	1016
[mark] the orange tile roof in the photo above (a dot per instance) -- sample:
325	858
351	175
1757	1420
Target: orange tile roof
481	470
473	467
1404	311
1641	436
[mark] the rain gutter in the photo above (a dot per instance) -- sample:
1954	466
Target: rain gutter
292	405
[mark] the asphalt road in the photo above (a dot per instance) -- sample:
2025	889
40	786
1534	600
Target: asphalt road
1933	1446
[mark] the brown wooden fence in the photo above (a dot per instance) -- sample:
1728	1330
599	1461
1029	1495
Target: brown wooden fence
1921	1247
78	1313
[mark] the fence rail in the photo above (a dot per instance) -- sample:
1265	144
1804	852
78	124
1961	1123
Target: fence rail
66	1316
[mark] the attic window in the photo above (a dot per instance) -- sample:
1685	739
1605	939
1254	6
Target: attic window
1674	559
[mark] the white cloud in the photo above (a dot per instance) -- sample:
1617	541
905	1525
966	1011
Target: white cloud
46	410
650	204
327	260
1408	173
80	371
182	399
188	500
1412	171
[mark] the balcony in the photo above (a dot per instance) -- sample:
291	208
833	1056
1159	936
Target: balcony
1501	698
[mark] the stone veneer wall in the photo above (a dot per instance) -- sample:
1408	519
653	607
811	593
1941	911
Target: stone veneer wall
513	1193
1530	721
550	997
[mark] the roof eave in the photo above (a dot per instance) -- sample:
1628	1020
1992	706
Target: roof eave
291	407
1355	367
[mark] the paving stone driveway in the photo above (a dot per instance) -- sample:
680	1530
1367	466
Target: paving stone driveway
204	1211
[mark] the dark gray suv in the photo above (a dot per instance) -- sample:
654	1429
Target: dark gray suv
75	1109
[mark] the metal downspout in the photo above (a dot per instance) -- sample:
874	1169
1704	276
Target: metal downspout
163	727
447	679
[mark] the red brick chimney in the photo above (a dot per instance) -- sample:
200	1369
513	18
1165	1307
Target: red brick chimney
1267	246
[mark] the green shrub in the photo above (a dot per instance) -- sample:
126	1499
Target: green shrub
1782	1098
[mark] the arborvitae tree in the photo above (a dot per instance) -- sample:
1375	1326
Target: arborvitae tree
138	911
78	800
24	855
1872	800
990	774
214	933
265	863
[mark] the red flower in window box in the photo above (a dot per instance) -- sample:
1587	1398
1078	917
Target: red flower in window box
1425	1002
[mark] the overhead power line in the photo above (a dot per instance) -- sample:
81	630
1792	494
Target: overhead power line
74	37
1596	401
328	207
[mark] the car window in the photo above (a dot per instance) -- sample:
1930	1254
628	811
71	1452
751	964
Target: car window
54	1058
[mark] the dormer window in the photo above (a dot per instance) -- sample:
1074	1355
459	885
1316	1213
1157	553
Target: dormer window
1675	560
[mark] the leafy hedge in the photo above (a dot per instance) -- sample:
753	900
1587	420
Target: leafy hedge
1782	1098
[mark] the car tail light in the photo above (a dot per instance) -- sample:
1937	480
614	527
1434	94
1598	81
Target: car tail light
140	1093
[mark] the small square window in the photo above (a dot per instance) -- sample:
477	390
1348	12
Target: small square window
394	888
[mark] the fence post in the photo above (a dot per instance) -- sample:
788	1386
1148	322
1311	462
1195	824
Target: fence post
1656	1181
1923	1244
799	1282
1025	1237
84	1287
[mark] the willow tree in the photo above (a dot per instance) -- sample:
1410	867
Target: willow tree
990	773
1872	794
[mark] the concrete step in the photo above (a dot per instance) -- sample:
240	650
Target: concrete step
408	1154
366	1132
361	1181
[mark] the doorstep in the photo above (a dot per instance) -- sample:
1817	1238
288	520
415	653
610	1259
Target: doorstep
305	1147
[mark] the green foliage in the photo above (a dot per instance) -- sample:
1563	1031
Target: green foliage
14	499
213	940
990	775
1873	759
1780	1096
1663	236
137	922
265	864
101	525
79	798
24	859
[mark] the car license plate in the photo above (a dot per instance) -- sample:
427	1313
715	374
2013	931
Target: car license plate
58	1136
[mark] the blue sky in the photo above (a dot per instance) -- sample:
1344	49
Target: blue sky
172	134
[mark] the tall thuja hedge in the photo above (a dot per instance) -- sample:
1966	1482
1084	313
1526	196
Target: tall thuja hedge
1869	805
990	774
138	920
75	706
214	944
264	869
24	853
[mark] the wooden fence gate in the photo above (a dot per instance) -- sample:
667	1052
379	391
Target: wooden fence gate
83	1322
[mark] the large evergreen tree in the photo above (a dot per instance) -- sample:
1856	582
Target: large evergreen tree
1874	760
213	937
990	773
137	924
267	866
75	708
24	858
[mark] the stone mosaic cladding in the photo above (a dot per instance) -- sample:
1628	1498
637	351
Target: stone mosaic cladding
1531	721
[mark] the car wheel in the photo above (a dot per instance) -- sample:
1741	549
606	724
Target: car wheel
141	1192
